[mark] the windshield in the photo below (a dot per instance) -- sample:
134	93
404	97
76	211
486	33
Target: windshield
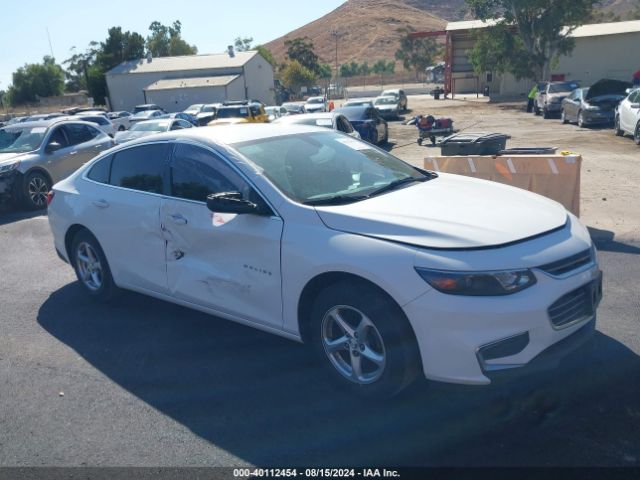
316	100
233	112
357	103
386	101
325	167
21	139
150	126
99	120
562	87
389	93
295	107
194	108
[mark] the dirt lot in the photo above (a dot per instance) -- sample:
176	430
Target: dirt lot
610	201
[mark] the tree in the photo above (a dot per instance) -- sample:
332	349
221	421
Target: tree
77	68
365	71
325	73
167	41
295	75
302	51
118	47
528	35
381	67
348	70
267	55
243	44
35	80
416	53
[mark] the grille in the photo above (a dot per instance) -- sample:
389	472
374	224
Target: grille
572	307
568	264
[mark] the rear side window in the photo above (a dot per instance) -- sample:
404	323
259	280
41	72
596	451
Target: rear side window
79	133
100	171
139	168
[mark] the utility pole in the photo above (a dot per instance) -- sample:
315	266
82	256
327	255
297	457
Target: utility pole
336	36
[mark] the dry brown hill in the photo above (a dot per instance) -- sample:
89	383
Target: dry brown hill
368	29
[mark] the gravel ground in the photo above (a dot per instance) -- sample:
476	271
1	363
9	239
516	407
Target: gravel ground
144	383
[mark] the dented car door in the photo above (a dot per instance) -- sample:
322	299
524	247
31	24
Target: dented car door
229	263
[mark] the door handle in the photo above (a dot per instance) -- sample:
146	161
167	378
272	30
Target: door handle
178	219
101	203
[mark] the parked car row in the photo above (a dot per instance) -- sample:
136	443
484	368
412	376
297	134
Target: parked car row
606	102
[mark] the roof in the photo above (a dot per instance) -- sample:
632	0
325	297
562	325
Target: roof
196	82
613	28
185	62
591	30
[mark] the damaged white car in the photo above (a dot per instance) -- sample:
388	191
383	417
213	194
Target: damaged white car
385	269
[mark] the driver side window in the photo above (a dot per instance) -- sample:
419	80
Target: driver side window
58	136
196	173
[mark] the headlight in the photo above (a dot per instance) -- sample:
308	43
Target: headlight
591	107
9	168
503	282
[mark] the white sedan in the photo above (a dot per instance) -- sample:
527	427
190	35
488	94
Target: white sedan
386	270
627	120
333	120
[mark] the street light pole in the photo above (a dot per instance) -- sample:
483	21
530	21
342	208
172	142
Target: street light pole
336	36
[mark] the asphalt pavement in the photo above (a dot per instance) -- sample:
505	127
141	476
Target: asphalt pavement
143	382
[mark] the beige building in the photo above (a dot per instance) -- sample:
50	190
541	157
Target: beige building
174	83
604	50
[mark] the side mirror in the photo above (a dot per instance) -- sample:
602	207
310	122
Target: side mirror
230	202
634	105
52	147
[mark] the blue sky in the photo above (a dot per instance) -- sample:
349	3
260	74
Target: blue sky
210	25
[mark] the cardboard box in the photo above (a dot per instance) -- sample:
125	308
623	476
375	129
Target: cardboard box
554	176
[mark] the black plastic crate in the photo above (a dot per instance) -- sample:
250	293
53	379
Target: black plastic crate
474	144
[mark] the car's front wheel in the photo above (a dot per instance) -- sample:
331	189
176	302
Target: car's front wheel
121	128
563	117
636	135
581	123
616	128
35	188
91	266
364	339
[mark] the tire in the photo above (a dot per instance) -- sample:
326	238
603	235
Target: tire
374	137
536	110
636	135
91	267
545	113
35	187
420	141
563	117
580	120
377	326
616	128
121	128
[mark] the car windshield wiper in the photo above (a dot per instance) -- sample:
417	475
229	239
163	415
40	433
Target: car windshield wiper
337	200
396	184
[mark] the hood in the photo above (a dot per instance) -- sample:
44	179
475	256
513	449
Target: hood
449	212
313	106
129	135
387	107
607	87
7	158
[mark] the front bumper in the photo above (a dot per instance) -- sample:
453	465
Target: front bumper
597	117
8	184
453	332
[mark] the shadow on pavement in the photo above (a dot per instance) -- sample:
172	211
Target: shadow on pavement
605	241
265	400
10	214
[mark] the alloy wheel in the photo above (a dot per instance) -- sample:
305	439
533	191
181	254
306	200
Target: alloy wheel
353	344
37	190
89	266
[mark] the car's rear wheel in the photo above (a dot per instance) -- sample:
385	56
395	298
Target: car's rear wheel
616	128
36	185
536	110
91	266
121	128
563	117
545	113
364	339
581	123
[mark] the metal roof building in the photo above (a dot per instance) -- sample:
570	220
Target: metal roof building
603	50
174	83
